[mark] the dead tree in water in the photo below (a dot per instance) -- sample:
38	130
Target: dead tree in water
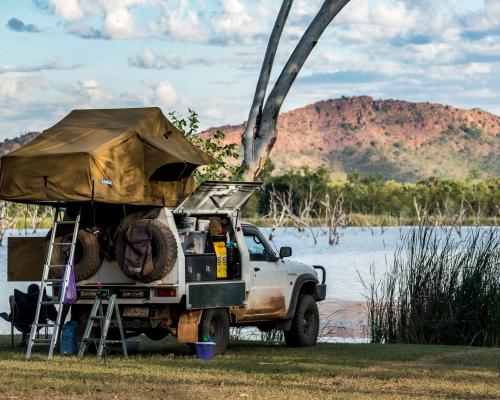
281	211
334	217
8	217
260	133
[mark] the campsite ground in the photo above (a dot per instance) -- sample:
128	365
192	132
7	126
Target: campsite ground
165	370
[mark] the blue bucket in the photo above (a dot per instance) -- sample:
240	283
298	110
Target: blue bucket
205	350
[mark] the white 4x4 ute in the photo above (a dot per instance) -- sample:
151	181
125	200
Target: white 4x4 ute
195	291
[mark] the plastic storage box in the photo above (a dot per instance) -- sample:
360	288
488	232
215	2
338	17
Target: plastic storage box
201	267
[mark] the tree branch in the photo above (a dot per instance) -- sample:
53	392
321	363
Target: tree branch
265	73
266	134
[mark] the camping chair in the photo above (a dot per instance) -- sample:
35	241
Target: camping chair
23	311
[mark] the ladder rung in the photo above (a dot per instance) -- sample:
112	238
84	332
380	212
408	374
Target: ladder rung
42	340
113	341
66	222
53	280
45	325
62	244
56	265
48	303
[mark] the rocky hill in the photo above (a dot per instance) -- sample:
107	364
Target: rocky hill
402	140
11	144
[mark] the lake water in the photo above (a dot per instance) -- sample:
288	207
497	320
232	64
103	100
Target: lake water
357	251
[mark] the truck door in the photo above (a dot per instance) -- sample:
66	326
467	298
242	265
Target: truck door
267	297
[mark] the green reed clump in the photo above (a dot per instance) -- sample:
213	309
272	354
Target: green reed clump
441	289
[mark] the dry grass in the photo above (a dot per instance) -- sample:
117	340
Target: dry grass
165	370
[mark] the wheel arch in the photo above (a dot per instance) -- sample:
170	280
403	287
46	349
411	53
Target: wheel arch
305	284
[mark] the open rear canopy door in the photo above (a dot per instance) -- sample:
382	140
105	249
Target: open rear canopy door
216	197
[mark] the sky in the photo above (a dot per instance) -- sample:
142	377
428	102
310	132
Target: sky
59	55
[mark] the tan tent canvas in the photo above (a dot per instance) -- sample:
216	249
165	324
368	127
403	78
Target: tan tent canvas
129	156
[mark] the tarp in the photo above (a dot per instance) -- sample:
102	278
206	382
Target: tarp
126	156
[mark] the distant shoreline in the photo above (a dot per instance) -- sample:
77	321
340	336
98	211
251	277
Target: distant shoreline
382	220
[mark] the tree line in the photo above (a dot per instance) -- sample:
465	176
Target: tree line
373	195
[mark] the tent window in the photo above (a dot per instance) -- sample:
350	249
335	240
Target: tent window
172	172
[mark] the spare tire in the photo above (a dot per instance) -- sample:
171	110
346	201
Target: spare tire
163	249
87	257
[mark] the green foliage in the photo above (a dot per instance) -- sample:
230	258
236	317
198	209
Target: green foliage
213	146
374	195
300	180
473	132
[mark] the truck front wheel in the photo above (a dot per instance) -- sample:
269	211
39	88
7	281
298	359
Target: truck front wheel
305	323
214	325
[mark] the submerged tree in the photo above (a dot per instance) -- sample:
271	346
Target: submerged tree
260	133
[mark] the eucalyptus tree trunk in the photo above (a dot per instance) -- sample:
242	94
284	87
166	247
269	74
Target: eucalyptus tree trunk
260	135
265	73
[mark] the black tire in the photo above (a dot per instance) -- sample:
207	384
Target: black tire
156	333
214	325
164	249
87	257
305	324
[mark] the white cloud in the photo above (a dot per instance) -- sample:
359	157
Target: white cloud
92	95
235	24
150	60
116	17
67	10
182	23
146	59
168	97
119	23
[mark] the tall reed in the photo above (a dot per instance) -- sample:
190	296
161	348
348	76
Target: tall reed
441	289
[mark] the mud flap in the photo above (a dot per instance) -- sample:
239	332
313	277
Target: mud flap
187	330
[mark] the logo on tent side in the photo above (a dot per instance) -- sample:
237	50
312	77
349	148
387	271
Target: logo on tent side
107	182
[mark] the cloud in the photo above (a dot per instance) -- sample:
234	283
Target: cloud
98	19
234	24
68	10
181	22
54	65
17	25
149	60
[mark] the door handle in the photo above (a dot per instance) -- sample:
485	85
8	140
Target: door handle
256	269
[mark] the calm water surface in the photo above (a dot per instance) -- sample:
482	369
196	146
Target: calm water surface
346	262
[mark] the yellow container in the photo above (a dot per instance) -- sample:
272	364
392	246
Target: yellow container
221	253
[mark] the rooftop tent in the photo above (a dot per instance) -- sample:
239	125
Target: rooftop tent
131	156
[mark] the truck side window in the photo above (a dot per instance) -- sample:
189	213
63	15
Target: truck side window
255	247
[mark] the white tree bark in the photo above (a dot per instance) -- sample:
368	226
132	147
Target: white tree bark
258	145
265	73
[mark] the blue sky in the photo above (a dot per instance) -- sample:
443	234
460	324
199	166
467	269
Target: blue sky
57	55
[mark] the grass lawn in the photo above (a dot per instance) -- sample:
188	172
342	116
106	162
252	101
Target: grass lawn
165	370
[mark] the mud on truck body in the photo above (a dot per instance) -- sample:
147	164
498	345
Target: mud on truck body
190	293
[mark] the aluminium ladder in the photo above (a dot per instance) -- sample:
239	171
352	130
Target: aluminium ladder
62	271
104	318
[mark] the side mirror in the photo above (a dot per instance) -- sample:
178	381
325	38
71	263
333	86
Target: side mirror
285	251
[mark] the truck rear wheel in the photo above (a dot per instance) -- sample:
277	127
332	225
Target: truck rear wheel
214	325
305	324
87	258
